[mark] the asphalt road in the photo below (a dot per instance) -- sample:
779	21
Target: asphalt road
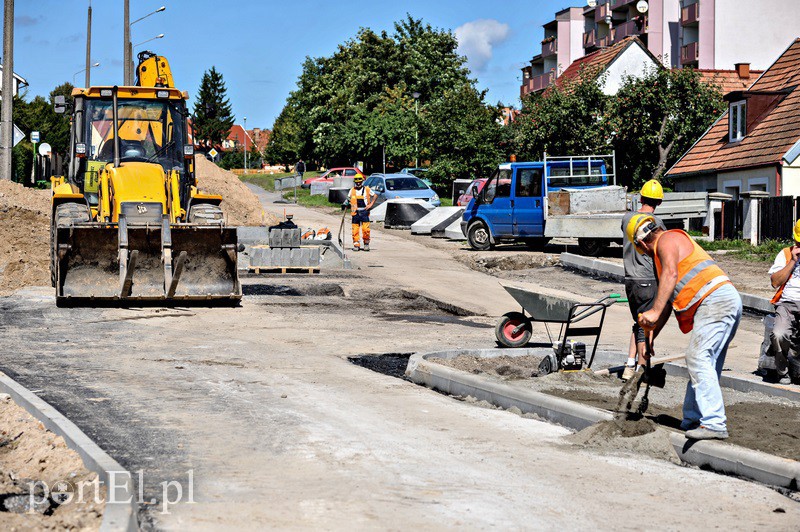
280	430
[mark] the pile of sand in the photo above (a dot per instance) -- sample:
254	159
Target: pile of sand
32	454
240	205
24	237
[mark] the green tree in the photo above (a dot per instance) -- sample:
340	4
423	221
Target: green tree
564	120
213	117
357	104
657	118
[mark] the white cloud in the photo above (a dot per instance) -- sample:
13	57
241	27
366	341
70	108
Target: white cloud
477	40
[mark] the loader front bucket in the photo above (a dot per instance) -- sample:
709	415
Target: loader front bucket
204	259
147	263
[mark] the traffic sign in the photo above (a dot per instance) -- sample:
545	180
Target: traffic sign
44	149
213	153
18	135
34	136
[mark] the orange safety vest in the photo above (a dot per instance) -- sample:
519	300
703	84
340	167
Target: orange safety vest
787	252
698	276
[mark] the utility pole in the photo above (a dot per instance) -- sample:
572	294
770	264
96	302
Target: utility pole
8	89
245	145
126	45
88	46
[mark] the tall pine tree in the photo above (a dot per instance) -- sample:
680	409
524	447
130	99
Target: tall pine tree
213	117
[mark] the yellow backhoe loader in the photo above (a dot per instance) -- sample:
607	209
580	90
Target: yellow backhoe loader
128	221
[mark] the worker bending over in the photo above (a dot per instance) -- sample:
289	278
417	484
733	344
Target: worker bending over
705	304
361	201
640	277
785	276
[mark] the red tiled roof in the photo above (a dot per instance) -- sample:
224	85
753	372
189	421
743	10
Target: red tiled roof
728	80
596	62
766	141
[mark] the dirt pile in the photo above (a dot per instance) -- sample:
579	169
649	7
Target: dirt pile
509	367
240	205
623	435
32	455
24	237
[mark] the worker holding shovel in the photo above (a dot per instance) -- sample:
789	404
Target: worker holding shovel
361	201
705	304
640	277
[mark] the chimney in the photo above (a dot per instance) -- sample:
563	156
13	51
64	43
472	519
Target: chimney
743	69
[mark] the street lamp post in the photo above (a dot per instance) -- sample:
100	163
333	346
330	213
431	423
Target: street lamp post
74	81
245	144
416	96
159	36
128	60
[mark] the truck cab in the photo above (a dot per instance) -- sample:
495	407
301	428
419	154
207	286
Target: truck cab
512	206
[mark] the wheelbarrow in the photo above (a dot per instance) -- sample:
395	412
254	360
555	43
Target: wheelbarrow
514	329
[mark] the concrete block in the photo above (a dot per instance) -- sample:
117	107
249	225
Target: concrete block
454	232
343	182
320	188
598	267
583	201
425	225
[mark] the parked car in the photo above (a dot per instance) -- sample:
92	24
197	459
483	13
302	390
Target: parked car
473	189
417	172
328	176
402	185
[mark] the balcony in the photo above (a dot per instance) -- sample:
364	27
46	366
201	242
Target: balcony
590	39
690	14
537	83
636	26
690	53
616	4
601	12
549	47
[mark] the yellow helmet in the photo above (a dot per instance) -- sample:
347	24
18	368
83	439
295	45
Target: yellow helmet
796	231
652	189
639	227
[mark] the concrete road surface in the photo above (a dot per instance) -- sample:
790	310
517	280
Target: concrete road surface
280	430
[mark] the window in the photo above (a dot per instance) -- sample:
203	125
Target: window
499	185
737	119
405	183
529	182
349	173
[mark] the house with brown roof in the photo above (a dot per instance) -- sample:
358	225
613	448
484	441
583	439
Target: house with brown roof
755	144
730	80
628	57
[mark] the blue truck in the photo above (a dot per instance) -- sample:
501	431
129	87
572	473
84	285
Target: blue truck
558	197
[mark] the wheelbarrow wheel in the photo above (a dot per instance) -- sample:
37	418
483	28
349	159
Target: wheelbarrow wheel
513	330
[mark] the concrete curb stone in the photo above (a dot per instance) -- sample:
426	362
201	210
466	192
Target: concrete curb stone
720	457
120	515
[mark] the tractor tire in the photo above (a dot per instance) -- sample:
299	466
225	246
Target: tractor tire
504	331
591	247
479	237
65	215
206	214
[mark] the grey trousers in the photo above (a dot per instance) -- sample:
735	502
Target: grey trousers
785	335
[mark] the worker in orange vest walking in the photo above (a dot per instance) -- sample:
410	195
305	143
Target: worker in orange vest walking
785	276
362	199
705	303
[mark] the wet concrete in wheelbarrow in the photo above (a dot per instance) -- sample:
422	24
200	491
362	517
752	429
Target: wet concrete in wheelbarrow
755	420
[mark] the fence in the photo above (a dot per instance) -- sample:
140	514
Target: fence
775	219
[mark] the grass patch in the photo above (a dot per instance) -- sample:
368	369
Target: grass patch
267	181
743	249
446	202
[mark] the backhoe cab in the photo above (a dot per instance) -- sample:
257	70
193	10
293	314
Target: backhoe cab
128	222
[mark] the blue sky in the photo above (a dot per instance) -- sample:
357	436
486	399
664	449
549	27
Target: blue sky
259	45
